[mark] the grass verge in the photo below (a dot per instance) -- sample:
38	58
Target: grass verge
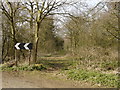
110	80
24	67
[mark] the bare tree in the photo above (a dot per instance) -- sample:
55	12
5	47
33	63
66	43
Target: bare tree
41	10
9	9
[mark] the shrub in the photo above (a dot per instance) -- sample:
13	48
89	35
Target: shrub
38	67
25	67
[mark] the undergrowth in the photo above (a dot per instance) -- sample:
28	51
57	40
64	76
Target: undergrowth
95	77
25	67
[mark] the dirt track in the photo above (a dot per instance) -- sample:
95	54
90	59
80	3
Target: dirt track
38	80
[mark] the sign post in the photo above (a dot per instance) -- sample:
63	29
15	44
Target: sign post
25	46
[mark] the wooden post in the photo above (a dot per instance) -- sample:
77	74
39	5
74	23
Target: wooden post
16	63
29	56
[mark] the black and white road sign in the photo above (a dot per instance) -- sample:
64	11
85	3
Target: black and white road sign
26	46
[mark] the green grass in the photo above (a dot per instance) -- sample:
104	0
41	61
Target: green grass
25	68
56	64
68	65
110	64
95	77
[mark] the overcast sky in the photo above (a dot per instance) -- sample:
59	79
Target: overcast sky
74	11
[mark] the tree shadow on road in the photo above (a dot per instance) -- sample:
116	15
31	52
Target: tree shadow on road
56	64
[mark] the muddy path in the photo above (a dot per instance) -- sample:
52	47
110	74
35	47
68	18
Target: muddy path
35	79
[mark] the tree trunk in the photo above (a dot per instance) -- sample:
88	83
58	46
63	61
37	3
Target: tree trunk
119	41
36	42
14	40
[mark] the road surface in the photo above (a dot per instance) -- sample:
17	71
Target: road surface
36	79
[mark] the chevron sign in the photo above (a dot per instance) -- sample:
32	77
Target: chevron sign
26	46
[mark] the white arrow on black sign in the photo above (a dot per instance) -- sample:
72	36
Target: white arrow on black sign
17	46
26	46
